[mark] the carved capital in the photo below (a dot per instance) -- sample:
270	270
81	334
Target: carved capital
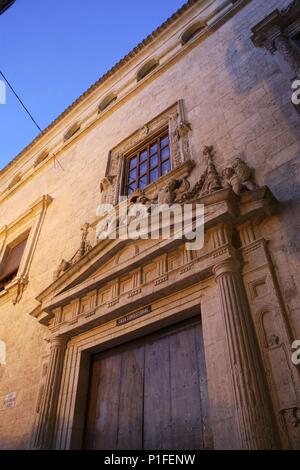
58	342
272	33
227	266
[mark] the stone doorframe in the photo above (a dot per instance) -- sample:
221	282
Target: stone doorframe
232	279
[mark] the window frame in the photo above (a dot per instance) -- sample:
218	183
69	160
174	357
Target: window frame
136	153
13	275
29	222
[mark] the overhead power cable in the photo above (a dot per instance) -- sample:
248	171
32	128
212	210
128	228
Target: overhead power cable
20	101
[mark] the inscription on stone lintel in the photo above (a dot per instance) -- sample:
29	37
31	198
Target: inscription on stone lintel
134	315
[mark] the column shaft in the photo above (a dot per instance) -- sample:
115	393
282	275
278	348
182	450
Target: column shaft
44	433
254	414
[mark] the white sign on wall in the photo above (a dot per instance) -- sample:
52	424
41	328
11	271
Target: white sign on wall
2	353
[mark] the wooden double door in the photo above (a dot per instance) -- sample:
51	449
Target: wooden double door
150	394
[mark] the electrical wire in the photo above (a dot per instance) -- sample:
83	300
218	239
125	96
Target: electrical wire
20	101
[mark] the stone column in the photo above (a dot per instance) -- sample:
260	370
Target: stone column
45	424
253	410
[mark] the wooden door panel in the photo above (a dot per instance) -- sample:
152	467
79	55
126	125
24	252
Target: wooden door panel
203	386
130	419
103	423
157	394
186	428
151	394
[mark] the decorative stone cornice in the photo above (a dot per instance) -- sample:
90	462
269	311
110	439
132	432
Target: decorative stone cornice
274	31
274	24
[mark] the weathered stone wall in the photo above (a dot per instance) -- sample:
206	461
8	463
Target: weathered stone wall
237	99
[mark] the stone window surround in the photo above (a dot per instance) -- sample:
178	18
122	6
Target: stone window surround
29	222
172	119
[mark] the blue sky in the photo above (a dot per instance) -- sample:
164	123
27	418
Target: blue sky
52	51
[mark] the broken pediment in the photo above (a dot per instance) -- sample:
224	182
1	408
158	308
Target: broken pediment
117	274
116	277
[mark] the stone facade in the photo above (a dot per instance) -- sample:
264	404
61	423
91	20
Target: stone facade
226	102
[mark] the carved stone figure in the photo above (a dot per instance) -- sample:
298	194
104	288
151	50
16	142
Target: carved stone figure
231	180
139	197
85	246
183	129
63	266
167	194
106	189
244	173
173	191
212	180
239	177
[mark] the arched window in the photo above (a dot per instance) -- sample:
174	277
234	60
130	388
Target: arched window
72	131
107	101
41	157
191	31
146	69
16	179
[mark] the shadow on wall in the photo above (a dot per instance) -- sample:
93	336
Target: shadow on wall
250	67
285	184
255	70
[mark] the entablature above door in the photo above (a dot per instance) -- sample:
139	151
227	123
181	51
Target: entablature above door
117	276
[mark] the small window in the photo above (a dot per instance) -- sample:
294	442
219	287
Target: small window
147	164
11	262
41	157
146	69
107	101
72	131
192	31
16	179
